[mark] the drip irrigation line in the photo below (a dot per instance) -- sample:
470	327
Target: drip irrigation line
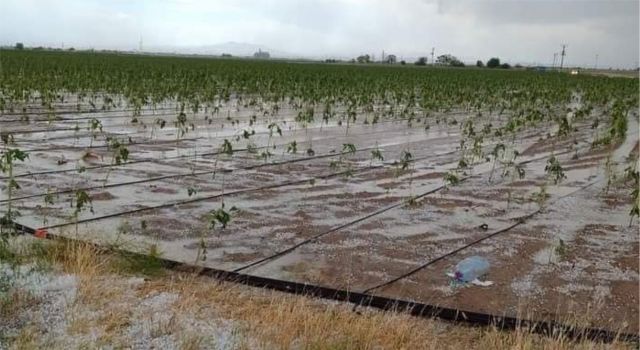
21	132
417	309
287	183
186	155
89	134
163	141
207	172
164	177
56	118
136	161
146	159
337	228
133	143
284	184
43	111
386	120
363	218
520	221
200	199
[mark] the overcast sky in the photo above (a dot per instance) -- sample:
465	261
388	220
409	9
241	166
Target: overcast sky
524	31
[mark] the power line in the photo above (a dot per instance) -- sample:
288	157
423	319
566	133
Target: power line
564	46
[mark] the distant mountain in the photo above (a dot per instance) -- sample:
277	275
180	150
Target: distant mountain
232	47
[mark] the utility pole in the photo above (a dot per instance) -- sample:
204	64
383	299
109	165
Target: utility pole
564	46
596	65
555	57
433	49
382	60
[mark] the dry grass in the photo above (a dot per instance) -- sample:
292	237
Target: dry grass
261	318
283	321
14	301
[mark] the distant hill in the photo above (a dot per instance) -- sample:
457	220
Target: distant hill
232	47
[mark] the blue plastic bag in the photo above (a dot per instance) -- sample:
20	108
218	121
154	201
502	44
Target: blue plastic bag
471	269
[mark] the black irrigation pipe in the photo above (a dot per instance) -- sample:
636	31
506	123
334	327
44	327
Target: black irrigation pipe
63	119
100	166
519	221
135	134
363	218
21	132
388	120
207	172
39	110
102	146
288	183
143	115
180	156
205	198
202	126
246	190
150	159
547	328
72	112
329	155
334	229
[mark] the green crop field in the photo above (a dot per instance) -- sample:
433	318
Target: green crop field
370	178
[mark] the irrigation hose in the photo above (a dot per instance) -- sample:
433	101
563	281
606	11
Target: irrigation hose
519	221
208	172
173	157
368	216
547	328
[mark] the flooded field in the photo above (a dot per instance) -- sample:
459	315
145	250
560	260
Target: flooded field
376	180
343	218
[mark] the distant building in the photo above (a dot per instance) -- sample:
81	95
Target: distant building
261	54
391	59
541	69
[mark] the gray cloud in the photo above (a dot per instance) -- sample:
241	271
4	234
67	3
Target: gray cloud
543	11
526	31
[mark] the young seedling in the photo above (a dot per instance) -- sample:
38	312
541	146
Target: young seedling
95	127
541	196
80	202
610	172
292	147
48	201
181	124
216	217
511	169
554	170
119	154
561	249
310	152
451	179
347	149
7	160
227	148
376	154
497	152
405	160
635	194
